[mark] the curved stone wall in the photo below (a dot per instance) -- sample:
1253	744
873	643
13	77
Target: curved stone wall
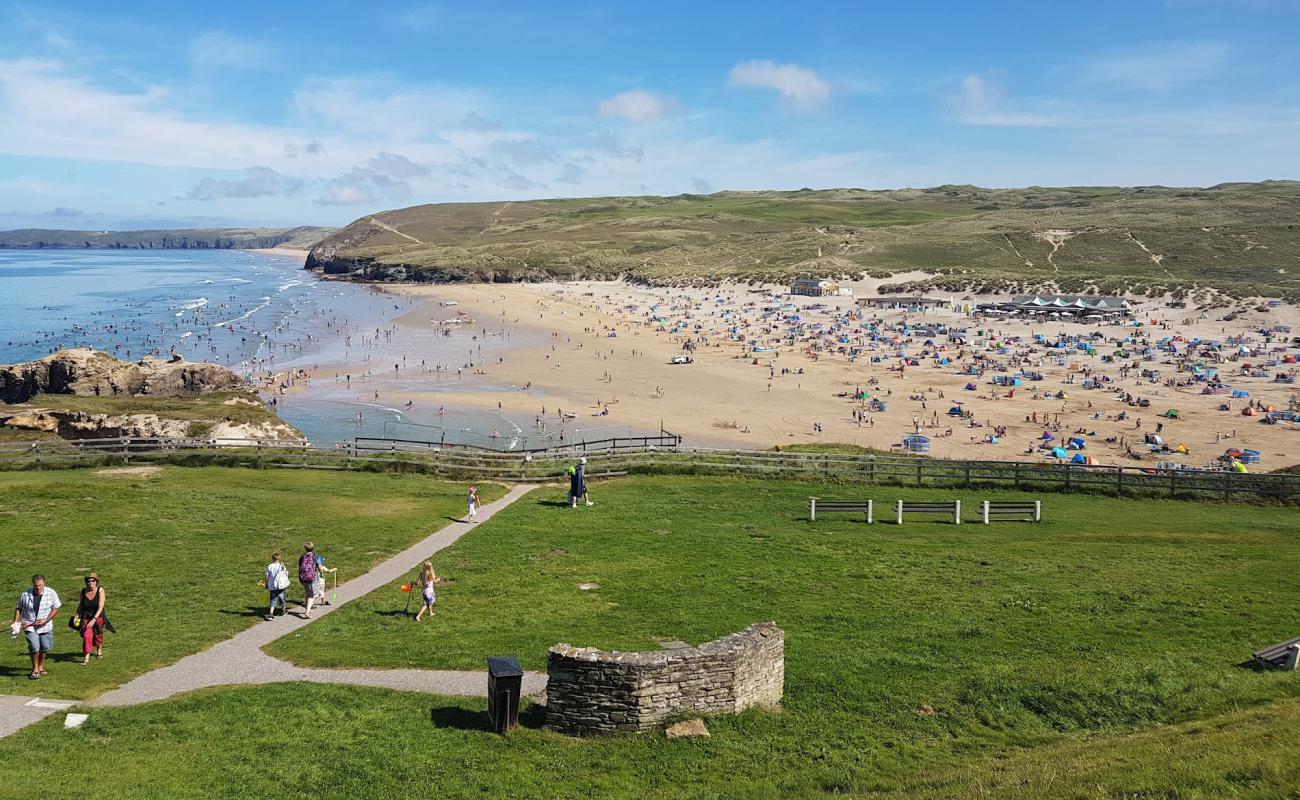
591	692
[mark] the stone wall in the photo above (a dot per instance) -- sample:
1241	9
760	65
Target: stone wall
590	692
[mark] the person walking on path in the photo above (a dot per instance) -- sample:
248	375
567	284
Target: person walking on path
471	500
318	585
90	614
276	582
307	576
34	616
427	593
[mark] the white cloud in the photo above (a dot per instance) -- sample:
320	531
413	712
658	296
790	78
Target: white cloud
700	186
983	102
479	124
572	174
640	106
369	104
397	166
800	85
364	186
1157	67
33	186
258	182
217	50
524	152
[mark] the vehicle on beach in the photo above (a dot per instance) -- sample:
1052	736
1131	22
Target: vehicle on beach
681	360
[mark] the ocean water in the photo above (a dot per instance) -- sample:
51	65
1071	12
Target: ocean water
258	314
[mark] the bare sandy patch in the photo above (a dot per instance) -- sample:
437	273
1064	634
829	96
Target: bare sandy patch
130	472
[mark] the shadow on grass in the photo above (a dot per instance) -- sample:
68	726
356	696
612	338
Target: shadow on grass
553	503
395	613
249	611
533	717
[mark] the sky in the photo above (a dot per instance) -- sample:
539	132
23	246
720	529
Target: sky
138	114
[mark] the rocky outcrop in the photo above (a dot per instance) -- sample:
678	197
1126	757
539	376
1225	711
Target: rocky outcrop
82	425
94	374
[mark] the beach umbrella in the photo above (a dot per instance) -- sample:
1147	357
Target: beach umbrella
1047	437
1058	452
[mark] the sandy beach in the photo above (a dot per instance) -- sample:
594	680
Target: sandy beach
300	255
607	351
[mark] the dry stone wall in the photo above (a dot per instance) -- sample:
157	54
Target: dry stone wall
591	692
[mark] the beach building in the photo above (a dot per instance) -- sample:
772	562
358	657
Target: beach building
814	287
1061	304
901	301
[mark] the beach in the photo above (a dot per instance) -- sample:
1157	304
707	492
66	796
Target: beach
601	359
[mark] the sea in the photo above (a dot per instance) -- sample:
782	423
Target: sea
260	314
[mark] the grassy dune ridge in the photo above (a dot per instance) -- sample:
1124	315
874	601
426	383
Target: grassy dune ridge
1240	238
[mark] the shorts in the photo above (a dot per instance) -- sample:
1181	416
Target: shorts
318	586
277	598
39	642
307	588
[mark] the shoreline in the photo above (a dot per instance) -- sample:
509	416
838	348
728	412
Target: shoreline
600	351
299	255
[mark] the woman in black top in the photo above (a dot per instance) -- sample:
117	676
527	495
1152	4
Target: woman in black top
91	613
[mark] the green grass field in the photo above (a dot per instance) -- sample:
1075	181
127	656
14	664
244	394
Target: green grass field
180	553
1098	654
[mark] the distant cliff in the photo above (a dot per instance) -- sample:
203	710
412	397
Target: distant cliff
301	238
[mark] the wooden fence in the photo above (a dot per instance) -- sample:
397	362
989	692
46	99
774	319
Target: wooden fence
551	465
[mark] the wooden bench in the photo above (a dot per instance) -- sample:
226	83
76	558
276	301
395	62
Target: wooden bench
953	507
1284	655
1029	510
816	504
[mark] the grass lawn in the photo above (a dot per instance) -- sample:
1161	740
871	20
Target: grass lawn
180	553
370	743
1095	655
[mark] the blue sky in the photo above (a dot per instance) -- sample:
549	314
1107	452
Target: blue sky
131	114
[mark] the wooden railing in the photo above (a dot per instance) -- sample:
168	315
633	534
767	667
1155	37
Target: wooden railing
552	464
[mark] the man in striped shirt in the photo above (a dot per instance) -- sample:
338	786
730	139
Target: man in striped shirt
36	609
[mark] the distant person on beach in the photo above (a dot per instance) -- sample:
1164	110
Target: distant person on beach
276	582
90	613
427	594
307	576
471	501
34	616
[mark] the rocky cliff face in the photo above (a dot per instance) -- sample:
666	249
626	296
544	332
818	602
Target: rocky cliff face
94	374
82	425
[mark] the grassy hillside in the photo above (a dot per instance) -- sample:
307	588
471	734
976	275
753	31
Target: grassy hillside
300	238
1240	237
1094	655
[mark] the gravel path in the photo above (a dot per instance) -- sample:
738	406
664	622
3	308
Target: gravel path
240	660
19	711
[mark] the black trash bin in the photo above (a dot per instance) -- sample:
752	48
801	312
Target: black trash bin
505	684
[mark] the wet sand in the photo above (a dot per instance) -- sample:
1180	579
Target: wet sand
729	396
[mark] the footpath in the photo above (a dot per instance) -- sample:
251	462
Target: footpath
240	659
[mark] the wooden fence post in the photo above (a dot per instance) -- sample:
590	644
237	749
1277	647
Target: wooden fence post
1119	481
1016	475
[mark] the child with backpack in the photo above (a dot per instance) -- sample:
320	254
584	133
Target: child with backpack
276	581
307	576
